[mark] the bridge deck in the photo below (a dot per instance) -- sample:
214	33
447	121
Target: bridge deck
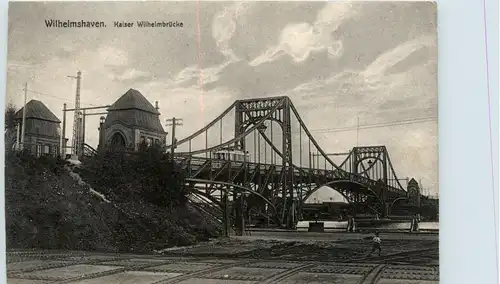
221	170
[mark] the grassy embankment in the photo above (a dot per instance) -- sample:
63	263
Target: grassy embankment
145	207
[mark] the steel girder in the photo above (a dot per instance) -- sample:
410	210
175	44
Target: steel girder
267	181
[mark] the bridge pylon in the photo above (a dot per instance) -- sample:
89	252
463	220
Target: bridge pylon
249	113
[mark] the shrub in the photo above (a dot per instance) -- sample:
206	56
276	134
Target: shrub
46	208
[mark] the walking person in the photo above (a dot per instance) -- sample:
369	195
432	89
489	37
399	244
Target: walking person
351	224
412	224
376	244
415	225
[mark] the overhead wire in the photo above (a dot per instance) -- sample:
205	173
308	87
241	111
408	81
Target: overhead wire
376	125
57	97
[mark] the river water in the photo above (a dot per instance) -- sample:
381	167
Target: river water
399	226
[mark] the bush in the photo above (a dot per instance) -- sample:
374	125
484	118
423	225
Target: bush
46	208
148	175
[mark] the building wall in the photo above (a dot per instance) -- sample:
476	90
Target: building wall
150	138
133	135
42	127
39	145
41	137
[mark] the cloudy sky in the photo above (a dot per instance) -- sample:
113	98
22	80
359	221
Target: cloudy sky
337	62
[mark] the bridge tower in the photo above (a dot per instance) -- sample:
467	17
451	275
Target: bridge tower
247	114
372	162
365	160
413	190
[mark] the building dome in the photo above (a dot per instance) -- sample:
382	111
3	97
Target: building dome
135	111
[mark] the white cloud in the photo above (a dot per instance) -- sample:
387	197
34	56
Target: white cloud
341	99
224	27
299	40
201	76
131	74
373	83
390	58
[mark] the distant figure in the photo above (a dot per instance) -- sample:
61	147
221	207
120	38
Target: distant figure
415	223
376	244
351	225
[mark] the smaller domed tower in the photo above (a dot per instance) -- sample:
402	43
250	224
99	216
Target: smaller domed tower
413	191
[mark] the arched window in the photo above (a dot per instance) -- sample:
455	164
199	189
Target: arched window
118	141
38	151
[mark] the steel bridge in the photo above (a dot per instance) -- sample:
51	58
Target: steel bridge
285	164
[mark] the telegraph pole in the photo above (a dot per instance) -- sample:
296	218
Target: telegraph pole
357	134
174	122
63	134
23	130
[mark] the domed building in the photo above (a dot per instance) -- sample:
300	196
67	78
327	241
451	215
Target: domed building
42	131
130	121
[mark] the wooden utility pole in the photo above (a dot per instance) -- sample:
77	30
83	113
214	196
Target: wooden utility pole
23	130
82	133
357	133
174	122
63	133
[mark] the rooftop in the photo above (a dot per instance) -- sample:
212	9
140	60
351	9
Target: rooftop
134	110
133	99
37	110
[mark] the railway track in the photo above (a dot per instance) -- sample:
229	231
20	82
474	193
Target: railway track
391	257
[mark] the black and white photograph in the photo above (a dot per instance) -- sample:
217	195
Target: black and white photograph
222	142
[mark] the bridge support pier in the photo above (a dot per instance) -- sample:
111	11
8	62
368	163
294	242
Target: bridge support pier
242	214
385	210
239	208
225	213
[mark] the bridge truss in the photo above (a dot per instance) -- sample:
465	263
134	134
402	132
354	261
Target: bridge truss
284	166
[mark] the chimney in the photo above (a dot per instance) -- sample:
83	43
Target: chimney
156	105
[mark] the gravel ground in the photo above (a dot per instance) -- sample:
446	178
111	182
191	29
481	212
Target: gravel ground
310	250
